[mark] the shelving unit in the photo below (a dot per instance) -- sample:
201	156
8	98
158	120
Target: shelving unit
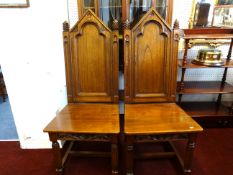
217	111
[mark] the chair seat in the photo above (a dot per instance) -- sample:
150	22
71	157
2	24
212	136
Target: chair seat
160	118
86	118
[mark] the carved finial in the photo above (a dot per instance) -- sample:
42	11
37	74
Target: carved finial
89	13
66	26
115	24
176	24
126	24
152	13
177	31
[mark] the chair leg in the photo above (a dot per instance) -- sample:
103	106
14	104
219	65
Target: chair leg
57	157
4	98
189	153
114	155
2	91
129	153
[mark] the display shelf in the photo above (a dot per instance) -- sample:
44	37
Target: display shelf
205	87
213	113
190	65
206	109
208	33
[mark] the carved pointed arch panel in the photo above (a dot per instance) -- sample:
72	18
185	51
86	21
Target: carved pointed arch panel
149	61
92	60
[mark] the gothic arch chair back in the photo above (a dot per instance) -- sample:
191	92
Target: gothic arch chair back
151	115
91	62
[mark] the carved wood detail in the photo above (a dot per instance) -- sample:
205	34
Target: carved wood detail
81	137
166	137
66	26
66	45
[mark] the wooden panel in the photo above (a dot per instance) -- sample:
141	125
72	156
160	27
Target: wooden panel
149	54
150	64
93	61
90	62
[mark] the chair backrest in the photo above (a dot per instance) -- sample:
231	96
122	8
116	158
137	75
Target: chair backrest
150	58
91	57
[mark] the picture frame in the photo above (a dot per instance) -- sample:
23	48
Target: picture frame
223	16
14	3
225	2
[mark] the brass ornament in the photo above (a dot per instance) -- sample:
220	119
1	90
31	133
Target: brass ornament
209	57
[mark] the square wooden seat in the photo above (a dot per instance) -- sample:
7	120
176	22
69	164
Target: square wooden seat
86	118
84	122
162	122
158	118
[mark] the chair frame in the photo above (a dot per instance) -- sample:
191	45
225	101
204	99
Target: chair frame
168	95
69	133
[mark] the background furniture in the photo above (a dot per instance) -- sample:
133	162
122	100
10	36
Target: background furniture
201	14
91	59
150	57
123	10
217	112
3	92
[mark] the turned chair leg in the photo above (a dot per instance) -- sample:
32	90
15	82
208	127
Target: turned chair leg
114	157
189	153
2	91
57	157
114	154
129	153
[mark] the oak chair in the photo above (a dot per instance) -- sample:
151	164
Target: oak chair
151	115
91	60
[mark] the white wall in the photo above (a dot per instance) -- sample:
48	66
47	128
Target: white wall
33	66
